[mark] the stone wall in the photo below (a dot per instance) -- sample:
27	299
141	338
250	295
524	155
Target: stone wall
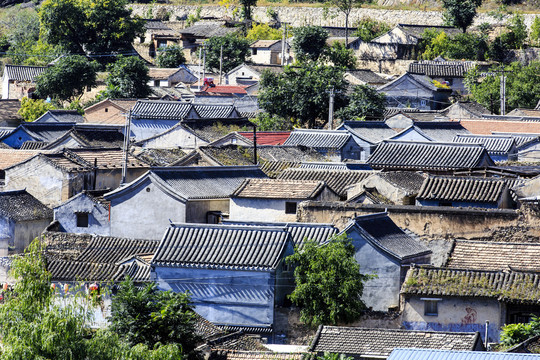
298	16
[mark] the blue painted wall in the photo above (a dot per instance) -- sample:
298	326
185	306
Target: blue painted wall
17	138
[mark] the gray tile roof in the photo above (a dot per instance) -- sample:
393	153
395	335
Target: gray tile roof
466	189
371	131
418	30
441	68
62	270
324	166
494	256
319	139
521	139
430	354
494	144
222	247
159	157
206	182
408	155
300	232
46	132
380	342
444	131
92	137
337	180
511	287
215	111
367	76
18	205
167	110
279	189
5	131
386	235
207	30
23	73
410	181
64	116
110	250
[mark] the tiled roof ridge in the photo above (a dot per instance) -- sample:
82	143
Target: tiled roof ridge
228	227
432	143
473	178
203	168
71	155
461	270
406	331
495	242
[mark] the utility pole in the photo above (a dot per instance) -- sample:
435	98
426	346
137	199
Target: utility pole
283	44
503	93
126	147
204	61
331	108
220	62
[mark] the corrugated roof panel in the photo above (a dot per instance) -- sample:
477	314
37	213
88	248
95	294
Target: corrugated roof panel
430	354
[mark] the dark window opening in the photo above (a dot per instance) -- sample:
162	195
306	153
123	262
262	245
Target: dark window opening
290	208
254	52
82	219
445	203
431	308
106	109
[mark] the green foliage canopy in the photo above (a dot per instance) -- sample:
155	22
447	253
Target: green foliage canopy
340	56
368	29
235	52
328	282
67	79
263	32
170	56
460	13
32	109
89	26
300	94
365	103
128	78
513	334
309	42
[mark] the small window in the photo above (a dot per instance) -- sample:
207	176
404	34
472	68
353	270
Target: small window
254	51
156	83
106	109
290	208
82	219
431	308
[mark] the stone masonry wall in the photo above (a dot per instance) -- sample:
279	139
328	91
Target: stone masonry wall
299	16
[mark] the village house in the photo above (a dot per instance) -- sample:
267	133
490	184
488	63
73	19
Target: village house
268	52
441	131
337	145
417	91
18	81
60	116
375	344
235	274
146	207
22	219
161	77
109	111
499	147
249	74
43	133
385	250
191	38
437	157
86	212
55	177
88	136
364	77
275	200
368	134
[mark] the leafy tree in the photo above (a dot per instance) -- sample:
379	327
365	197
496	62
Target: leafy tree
345	6
67	79
148	316
368	29
340	56
235	52
32	109
497	50
170	57
89	26
267	122
427	38
300	94
437	47
365	103
517	34
128	78
535	31
309	42
19	25
328	282
332	356
460	13
263	32
513	334
246	5
30	52
522	88
467	46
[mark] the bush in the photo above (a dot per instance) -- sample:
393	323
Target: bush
170	56
368	29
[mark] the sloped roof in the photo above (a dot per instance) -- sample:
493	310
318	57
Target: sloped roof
380	342
421	80
441	68
278	189
214	111
93	137
9	109
23	72
221	247
337	180
370	131
514	287
383	233
410	181
62	270
494	256
18	205
157	109
10	157
467	189
367	76
161	73
470	107
5	131
223	89
206	182
207	30
273	168
319	139
110	250
62	116
159	157
267	137
494	144
444	131
46	132
300	232
33	145
430	354
428	156
264	43
418	30
107	158
261	355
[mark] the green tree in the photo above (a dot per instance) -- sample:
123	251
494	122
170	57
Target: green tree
148	316
516	35
309	42
345	6
235	52
300	94
170	56
460	13
32	109
91	27
267	122
332	356
438	47
328	282
535	31
467	46
340	56
128	78
365	103
513	334
30	52
263	32
67	79
368	29
246	6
